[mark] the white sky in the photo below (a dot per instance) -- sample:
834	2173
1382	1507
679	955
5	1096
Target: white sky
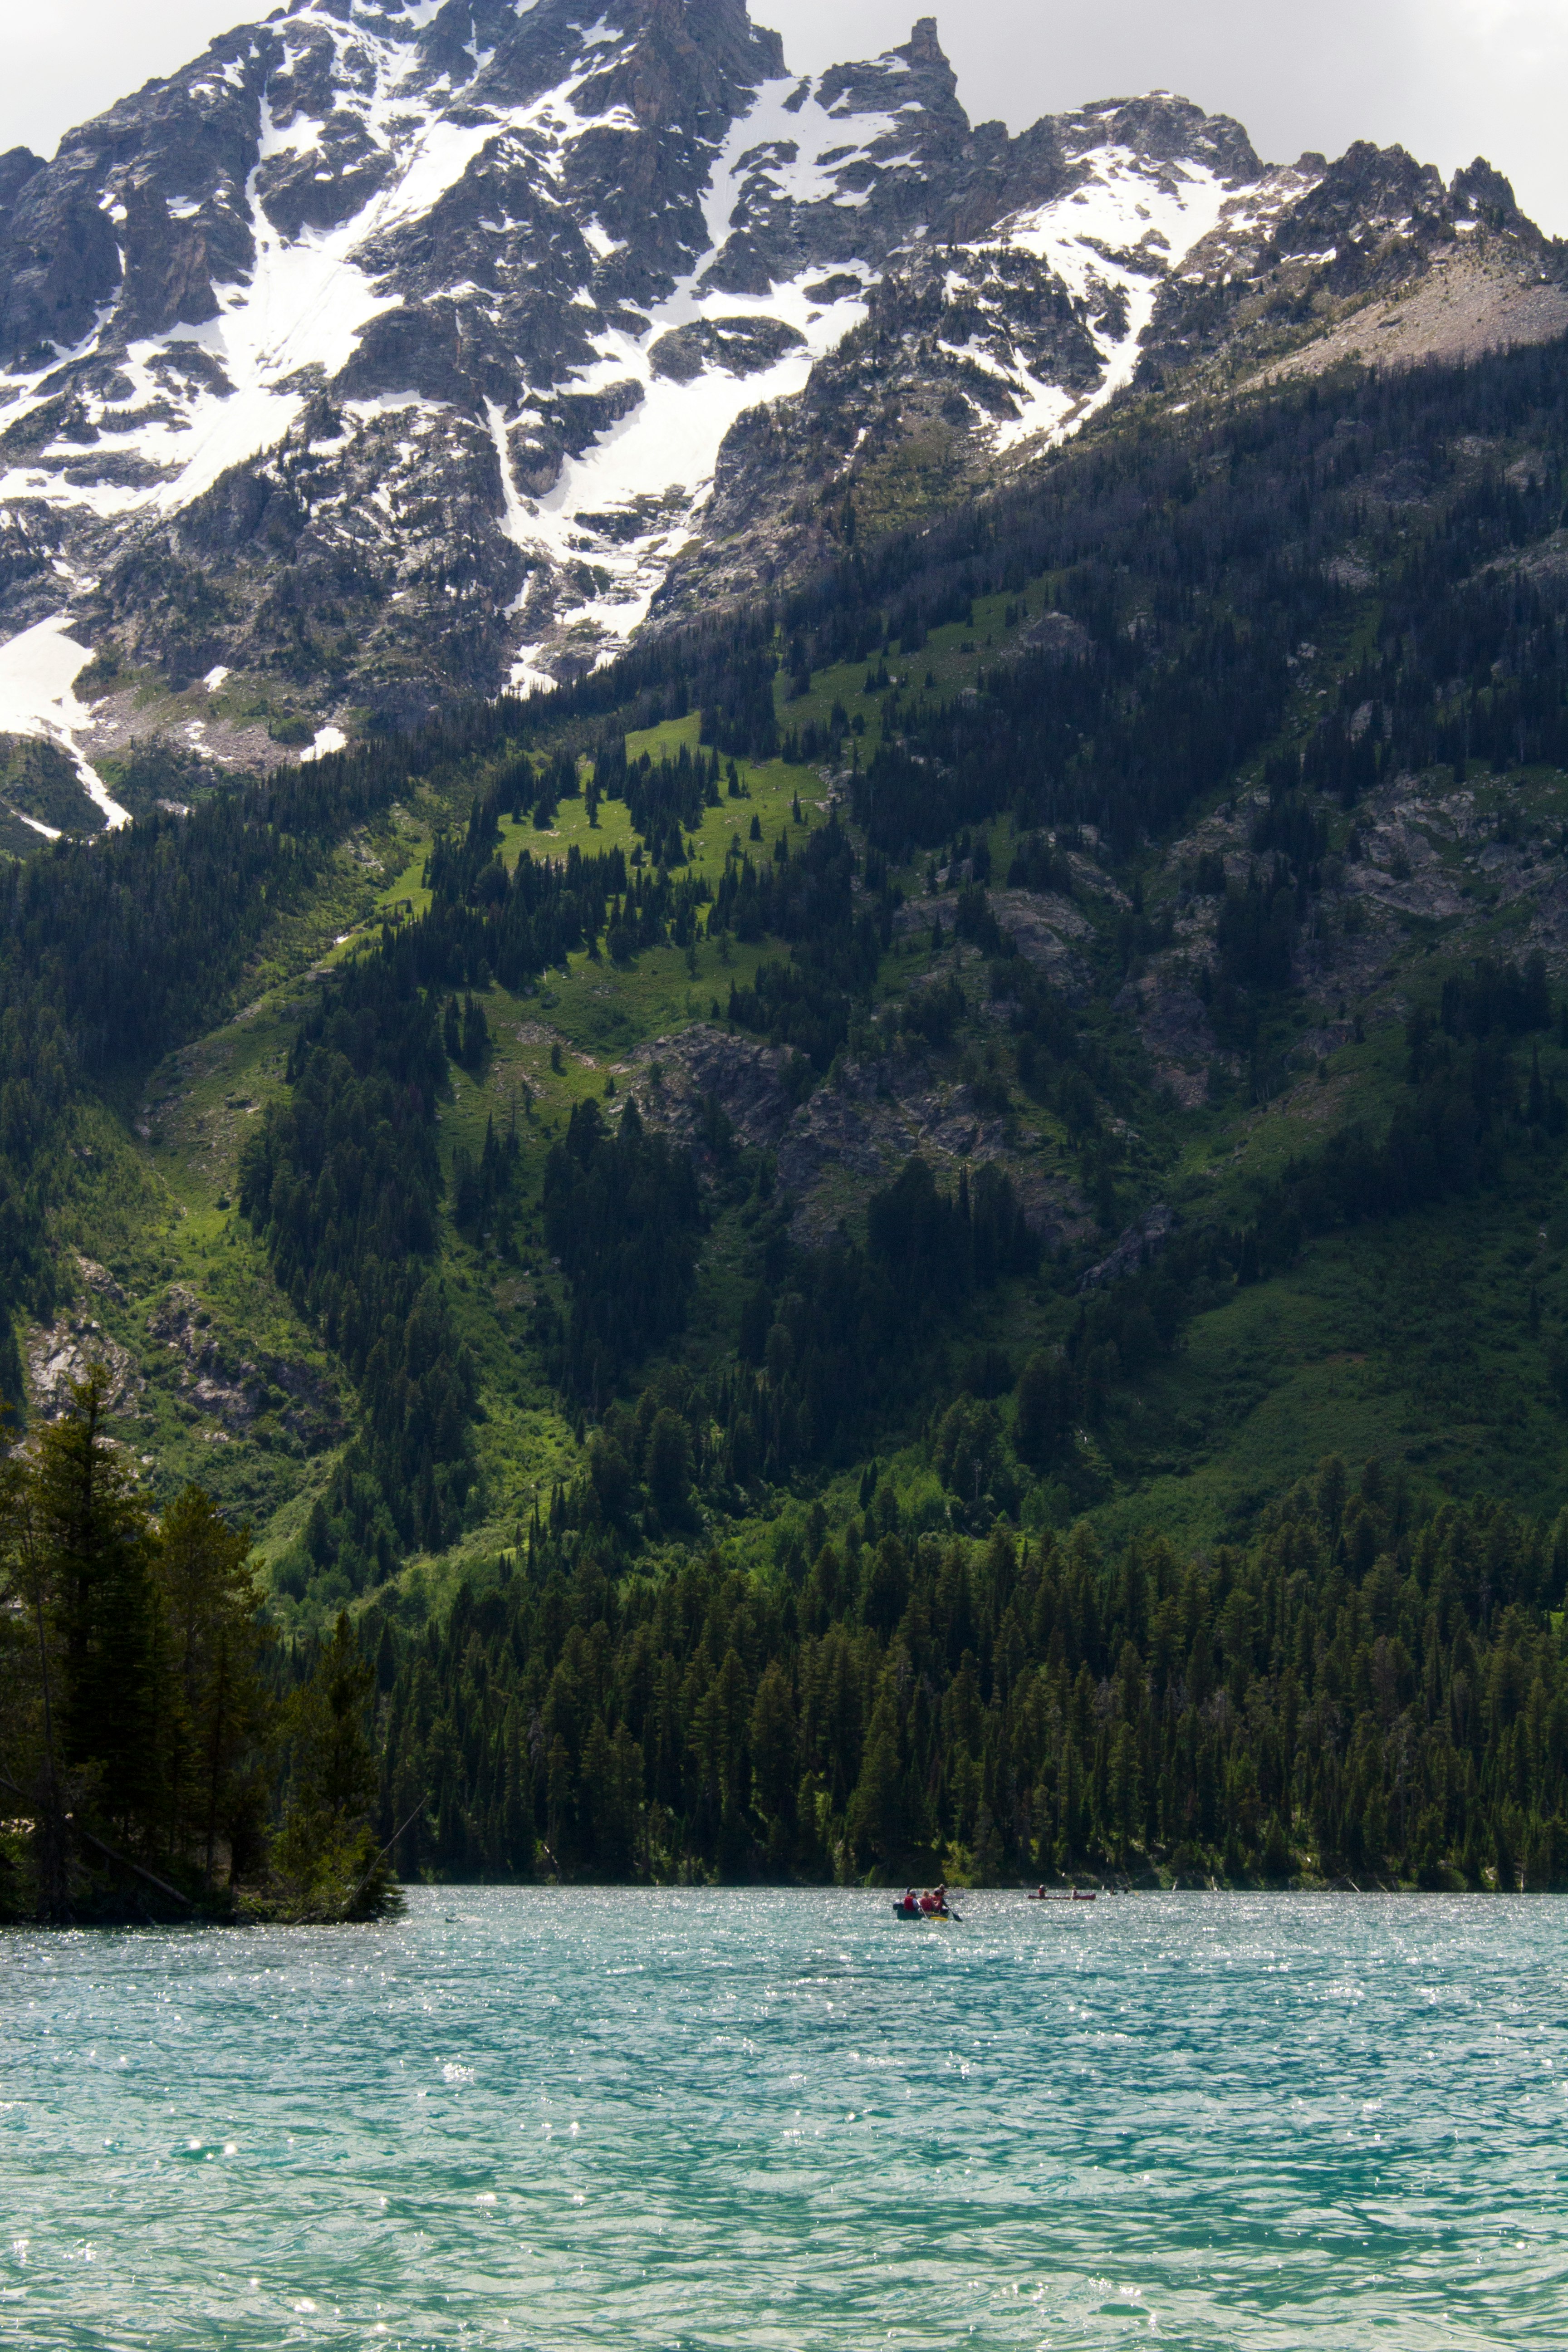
1448	78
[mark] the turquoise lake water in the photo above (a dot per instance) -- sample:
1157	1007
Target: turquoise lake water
713	2119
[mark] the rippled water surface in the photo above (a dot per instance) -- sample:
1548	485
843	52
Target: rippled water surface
784	2119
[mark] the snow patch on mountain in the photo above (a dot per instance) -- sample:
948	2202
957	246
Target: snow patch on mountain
39	670
326	740
788	147
662	455
801	165
1112	242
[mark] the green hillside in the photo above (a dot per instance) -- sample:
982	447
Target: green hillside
1063	1026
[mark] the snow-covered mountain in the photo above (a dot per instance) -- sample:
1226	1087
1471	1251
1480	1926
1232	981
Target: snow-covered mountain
392	349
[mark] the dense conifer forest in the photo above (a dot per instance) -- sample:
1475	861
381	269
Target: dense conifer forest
1359	1694
1350	1695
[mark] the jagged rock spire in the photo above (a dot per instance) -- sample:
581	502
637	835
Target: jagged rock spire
924	47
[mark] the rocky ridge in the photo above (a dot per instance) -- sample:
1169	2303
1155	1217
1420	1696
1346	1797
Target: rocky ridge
387	350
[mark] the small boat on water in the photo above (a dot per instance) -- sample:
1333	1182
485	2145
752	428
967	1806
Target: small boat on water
919	1908
1043	1894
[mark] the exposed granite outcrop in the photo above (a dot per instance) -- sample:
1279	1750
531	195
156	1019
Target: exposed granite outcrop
675	1078
850	1135
61	1354
1046	930
1142	1241
1172	1020
235	1391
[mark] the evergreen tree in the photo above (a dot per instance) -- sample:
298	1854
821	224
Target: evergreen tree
216	1733
128	1653
1353	1693
32	1686
95	1526
327	1851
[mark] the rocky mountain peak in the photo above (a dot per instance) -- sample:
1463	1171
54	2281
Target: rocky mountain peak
17	168
1162	128
453	344
1479	193
687	64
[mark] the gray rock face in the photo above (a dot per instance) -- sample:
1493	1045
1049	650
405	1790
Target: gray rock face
1044	927
677	1076
233	1391
857	1131
739	346
1174	1024
853	1133
1141	1242
60	1355
403	353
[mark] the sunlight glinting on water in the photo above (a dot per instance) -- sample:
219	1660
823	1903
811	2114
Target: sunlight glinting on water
693	2119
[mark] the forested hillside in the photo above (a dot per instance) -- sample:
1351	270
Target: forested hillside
797	1230
1349	1696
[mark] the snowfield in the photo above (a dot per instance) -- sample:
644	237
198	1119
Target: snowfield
38	671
